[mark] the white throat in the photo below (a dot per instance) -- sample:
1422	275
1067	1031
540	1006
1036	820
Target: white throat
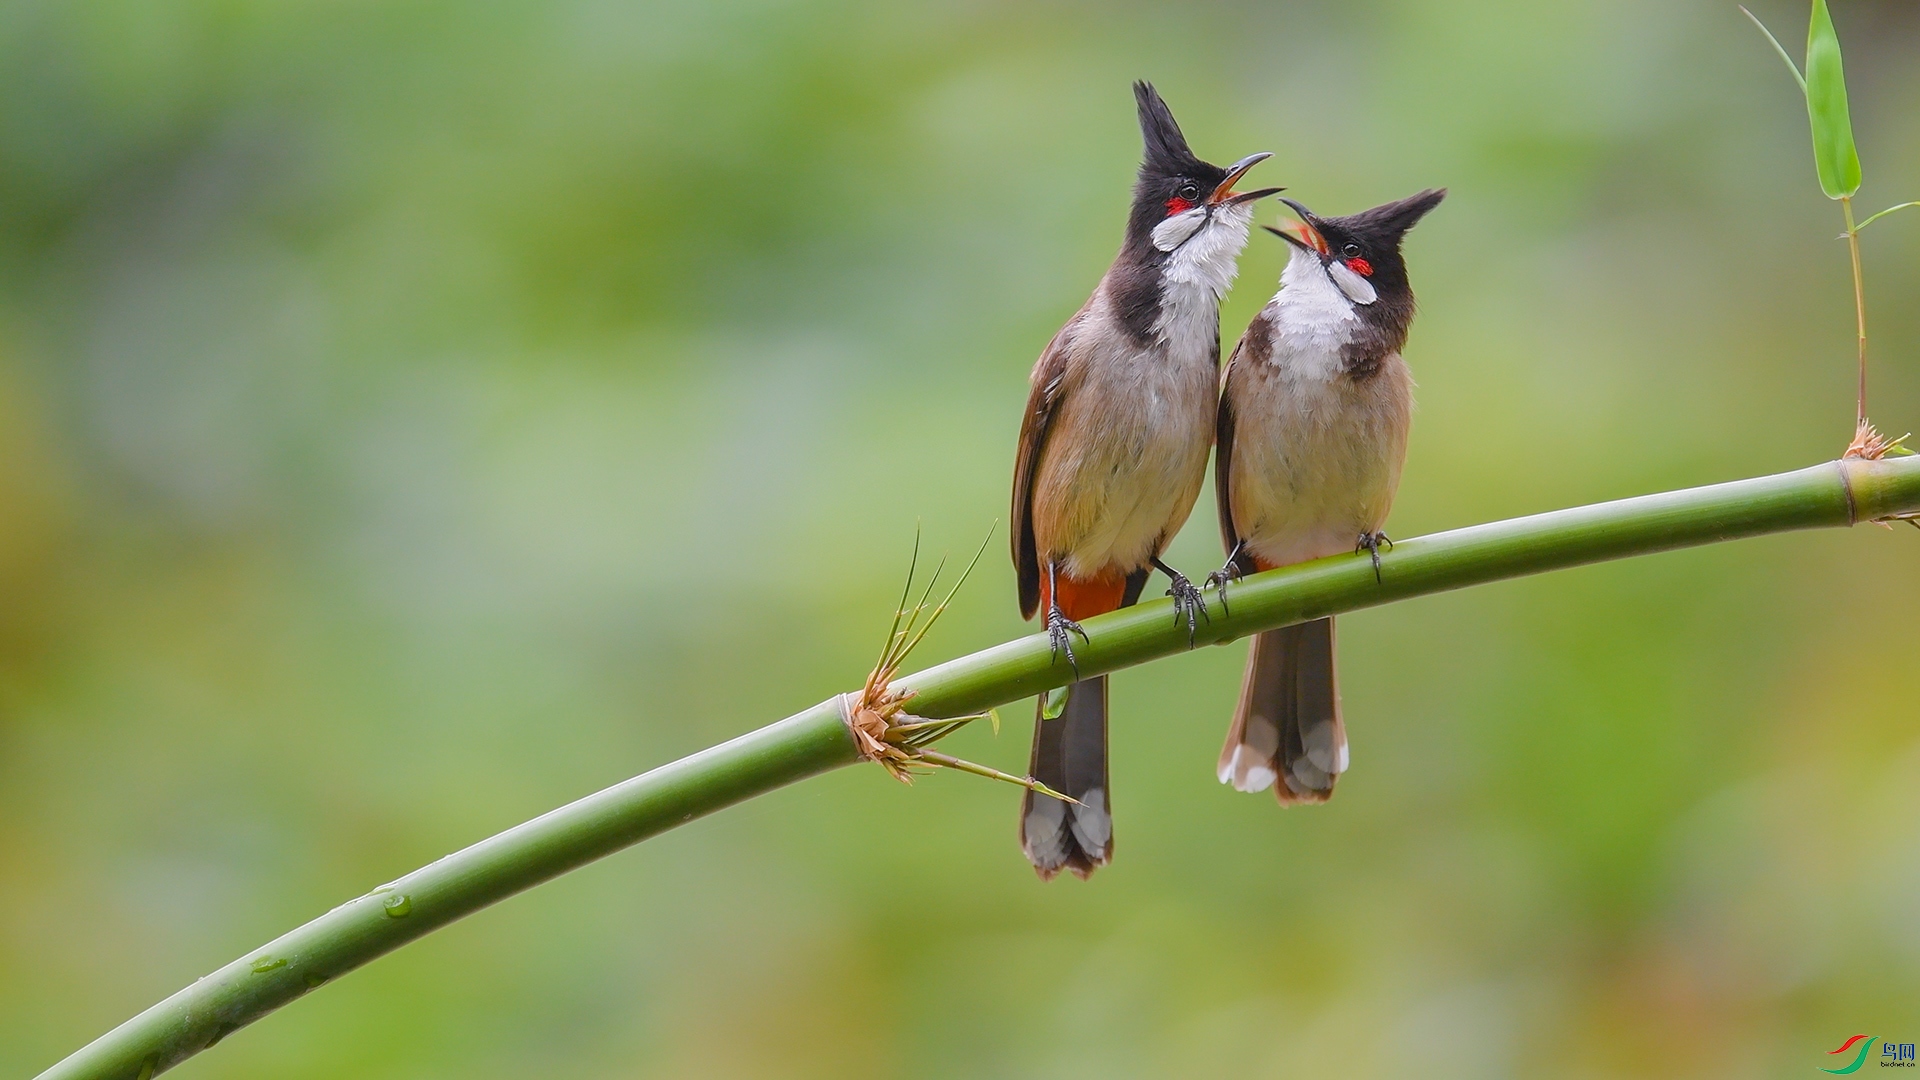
1203	255
1314	320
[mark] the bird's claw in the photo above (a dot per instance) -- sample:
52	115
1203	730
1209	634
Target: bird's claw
1371	544
1060	631
1219	579
1187	602
1230	572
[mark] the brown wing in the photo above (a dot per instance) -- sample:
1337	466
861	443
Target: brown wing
1049	386
1254	346
1223	456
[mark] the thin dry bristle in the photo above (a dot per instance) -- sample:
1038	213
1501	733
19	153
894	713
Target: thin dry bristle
963	765
913	618
951	593
876	714
900	609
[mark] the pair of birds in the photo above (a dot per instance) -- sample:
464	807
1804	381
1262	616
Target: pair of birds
1311	421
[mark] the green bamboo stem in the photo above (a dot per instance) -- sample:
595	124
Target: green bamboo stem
817	740
1859	311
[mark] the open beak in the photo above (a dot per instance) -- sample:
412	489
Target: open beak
1292	239
1224	195
1304	233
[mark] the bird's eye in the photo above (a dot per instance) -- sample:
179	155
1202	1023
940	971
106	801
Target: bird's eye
1190	191
1351	251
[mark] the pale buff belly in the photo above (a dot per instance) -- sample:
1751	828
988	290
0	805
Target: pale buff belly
1124	464
1316	461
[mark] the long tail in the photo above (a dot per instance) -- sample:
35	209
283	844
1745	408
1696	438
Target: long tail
1070	756
1287	726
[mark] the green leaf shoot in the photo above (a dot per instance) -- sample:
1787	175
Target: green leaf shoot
1779	48
1834	155
1882	214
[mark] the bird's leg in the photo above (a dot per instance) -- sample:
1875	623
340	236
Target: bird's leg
1060	629
1230	572
1371	542
1186	599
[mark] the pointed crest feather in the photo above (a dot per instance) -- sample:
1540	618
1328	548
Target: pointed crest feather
1166	151
1394	218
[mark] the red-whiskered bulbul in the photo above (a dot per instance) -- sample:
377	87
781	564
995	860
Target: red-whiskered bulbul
1312	431
1113	451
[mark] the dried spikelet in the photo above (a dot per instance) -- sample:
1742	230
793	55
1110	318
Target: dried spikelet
870	716
1869	445
882	729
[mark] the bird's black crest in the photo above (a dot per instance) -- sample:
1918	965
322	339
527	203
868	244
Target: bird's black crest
1395	218
1166	148
1378	234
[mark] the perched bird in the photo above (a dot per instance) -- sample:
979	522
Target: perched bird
1113	451
1312	433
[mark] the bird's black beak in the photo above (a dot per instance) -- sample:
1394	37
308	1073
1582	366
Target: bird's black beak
1224	195
1291	239
1305	234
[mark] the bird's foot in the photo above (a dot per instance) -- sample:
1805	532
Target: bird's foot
1230	572
1371	543
1060	631
1187	602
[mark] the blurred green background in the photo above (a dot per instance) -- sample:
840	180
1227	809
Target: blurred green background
414	416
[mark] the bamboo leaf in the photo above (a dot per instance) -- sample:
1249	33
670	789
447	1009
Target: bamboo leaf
1882	214
1834	155
1056	703
1777	47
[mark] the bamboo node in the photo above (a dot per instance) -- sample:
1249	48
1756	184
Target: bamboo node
869	716
1870	445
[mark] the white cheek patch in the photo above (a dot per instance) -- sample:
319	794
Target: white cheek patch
1358	289
1178	229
